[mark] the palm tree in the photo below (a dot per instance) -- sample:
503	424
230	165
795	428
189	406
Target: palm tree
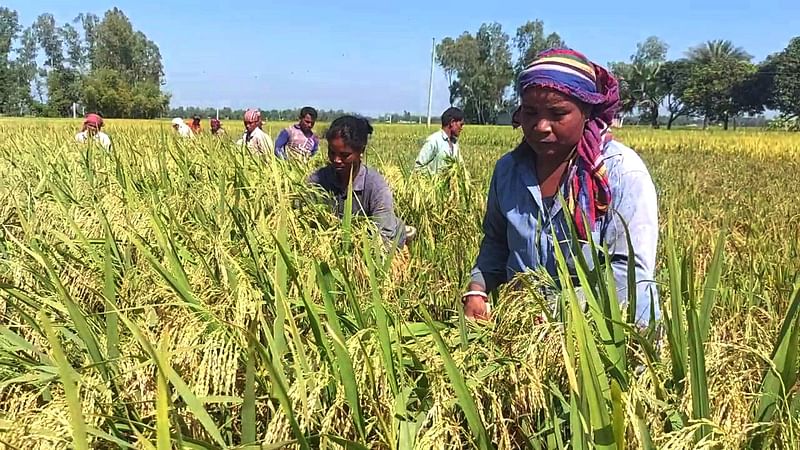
715	50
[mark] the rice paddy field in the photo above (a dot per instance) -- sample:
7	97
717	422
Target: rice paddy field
187	294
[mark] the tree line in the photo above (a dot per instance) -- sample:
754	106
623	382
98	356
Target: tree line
228	113
715	81
103	64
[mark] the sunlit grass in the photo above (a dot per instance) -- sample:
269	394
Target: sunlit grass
190	282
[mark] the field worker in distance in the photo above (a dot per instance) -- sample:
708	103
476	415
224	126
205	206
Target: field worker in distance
195	126
441	148
254	137
216	128
92	125
181	128
299	140
567	105
347	140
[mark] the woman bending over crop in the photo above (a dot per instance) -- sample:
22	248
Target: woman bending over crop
568	151
347	139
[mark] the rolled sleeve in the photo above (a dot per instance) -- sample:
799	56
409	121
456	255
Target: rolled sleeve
638	208
490	267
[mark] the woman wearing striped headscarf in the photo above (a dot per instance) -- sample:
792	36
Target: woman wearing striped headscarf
567	152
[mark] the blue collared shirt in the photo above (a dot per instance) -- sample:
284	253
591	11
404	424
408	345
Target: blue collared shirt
519	225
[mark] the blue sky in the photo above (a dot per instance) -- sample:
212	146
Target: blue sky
374	57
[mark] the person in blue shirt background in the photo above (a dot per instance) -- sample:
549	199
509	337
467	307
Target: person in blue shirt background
299	140
567	103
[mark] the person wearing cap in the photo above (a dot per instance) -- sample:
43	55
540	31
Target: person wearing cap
181	128
254	137
299	141
195	125
441	148
91	131
216	128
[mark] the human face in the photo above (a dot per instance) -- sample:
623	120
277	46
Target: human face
552	122
250	126
456	127
343	158
306	123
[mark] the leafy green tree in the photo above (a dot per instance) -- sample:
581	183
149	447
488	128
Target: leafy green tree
89	23
29	69
9	28
63	89
715	88
715	50
479	70
674	77
640	78
50	41
9	71
531	40
117	46
76	56
720	85
127	72
784	70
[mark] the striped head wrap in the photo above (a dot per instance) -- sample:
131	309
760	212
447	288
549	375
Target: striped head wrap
252	115
572	74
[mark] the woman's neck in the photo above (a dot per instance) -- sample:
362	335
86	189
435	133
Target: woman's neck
345	178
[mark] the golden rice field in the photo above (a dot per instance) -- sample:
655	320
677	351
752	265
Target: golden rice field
175	294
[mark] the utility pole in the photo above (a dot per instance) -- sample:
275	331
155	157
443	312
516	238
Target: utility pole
430	81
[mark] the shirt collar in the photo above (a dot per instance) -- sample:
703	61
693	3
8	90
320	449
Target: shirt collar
447	138
361	178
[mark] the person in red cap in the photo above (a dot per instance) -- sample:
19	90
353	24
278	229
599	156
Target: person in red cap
92	125
254	137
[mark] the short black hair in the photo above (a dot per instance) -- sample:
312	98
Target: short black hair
353	130
452	114
308	111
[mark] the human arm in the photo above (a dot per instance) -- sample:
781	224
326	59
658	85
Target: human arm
280	144
490	266
381	211
636	207
426	156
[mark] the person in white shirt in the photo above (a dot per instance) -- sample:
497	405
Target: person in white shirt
254	137
441	148
92	124
181	128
